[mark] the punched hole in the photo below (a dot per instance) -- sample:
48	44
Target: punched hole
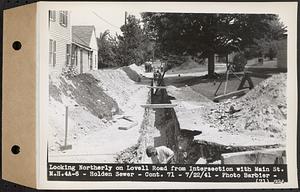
17	45
15	149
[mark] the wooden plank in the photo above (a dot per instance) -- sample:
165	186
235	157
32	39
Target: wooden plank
157	87
128	127
241	73
128	118
158	106
231	94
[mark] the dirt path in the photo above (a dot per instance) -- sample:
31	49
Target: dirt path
102	145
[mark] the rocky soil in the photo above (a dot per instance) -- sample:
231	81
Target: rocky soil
262	109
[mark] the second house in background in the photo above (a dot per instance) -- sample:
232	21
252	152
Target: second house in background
74	46
84	48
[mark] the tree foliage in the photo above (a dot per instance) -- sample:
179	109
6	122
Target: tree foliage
132	46
107	50
267	45
206	34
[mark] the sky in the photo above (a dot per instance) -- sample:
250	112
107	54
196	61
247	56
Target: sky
106	19
102	20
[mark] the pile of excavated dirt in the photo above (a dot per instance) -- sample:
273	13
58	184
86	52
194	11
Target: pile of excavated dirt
255	121
89	108
262	111
96	100
188	64
118	85
133	75
86	92
138	69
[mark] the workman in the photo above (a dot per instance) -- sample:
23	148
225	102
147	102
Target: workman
160	155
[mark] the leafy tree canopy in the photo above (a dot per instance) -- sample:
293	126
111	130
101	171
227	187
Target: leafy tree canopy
207	34
192	33
134	45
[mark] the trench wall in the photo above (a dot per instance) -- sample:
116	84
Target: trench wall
166	123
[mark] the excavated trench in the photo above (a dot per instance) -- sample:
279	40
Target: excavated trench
170	133
181	141
161	127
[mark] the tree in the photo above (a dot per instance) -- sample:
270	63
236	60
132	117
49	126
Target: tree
267	45
107	47
134	46
208	34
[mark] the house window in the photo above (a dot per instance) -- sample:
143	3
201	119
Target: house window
91	60
76	57
96	62
52	52
68	54
52	15
63	18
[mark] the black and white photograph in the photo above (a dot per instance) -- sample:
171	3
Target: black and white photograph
167	88
150	95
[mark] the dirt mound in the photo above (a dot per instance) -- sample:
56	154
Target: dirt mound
85	91
116	84
133	75
90	108
263	111
94	99
138	69
187	64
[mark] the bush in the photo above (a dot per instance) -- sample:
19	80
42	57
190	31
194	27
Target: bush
239	61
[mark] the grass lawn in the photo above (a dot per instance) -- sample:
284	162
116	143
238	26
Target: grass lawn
208	87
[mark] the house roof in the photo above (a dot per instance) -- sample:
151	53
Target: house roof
82	34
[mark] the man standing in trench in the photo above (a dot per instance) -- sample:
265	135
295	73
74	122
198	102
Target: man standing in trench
160	155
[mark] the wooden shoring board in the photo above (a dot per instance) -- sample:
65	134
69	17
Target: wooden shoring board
157	87
159	106
231	94
128	127
241	73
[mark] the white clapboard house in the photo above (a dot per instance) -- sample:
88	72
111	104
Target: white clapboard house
84	48
70	45
60	41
